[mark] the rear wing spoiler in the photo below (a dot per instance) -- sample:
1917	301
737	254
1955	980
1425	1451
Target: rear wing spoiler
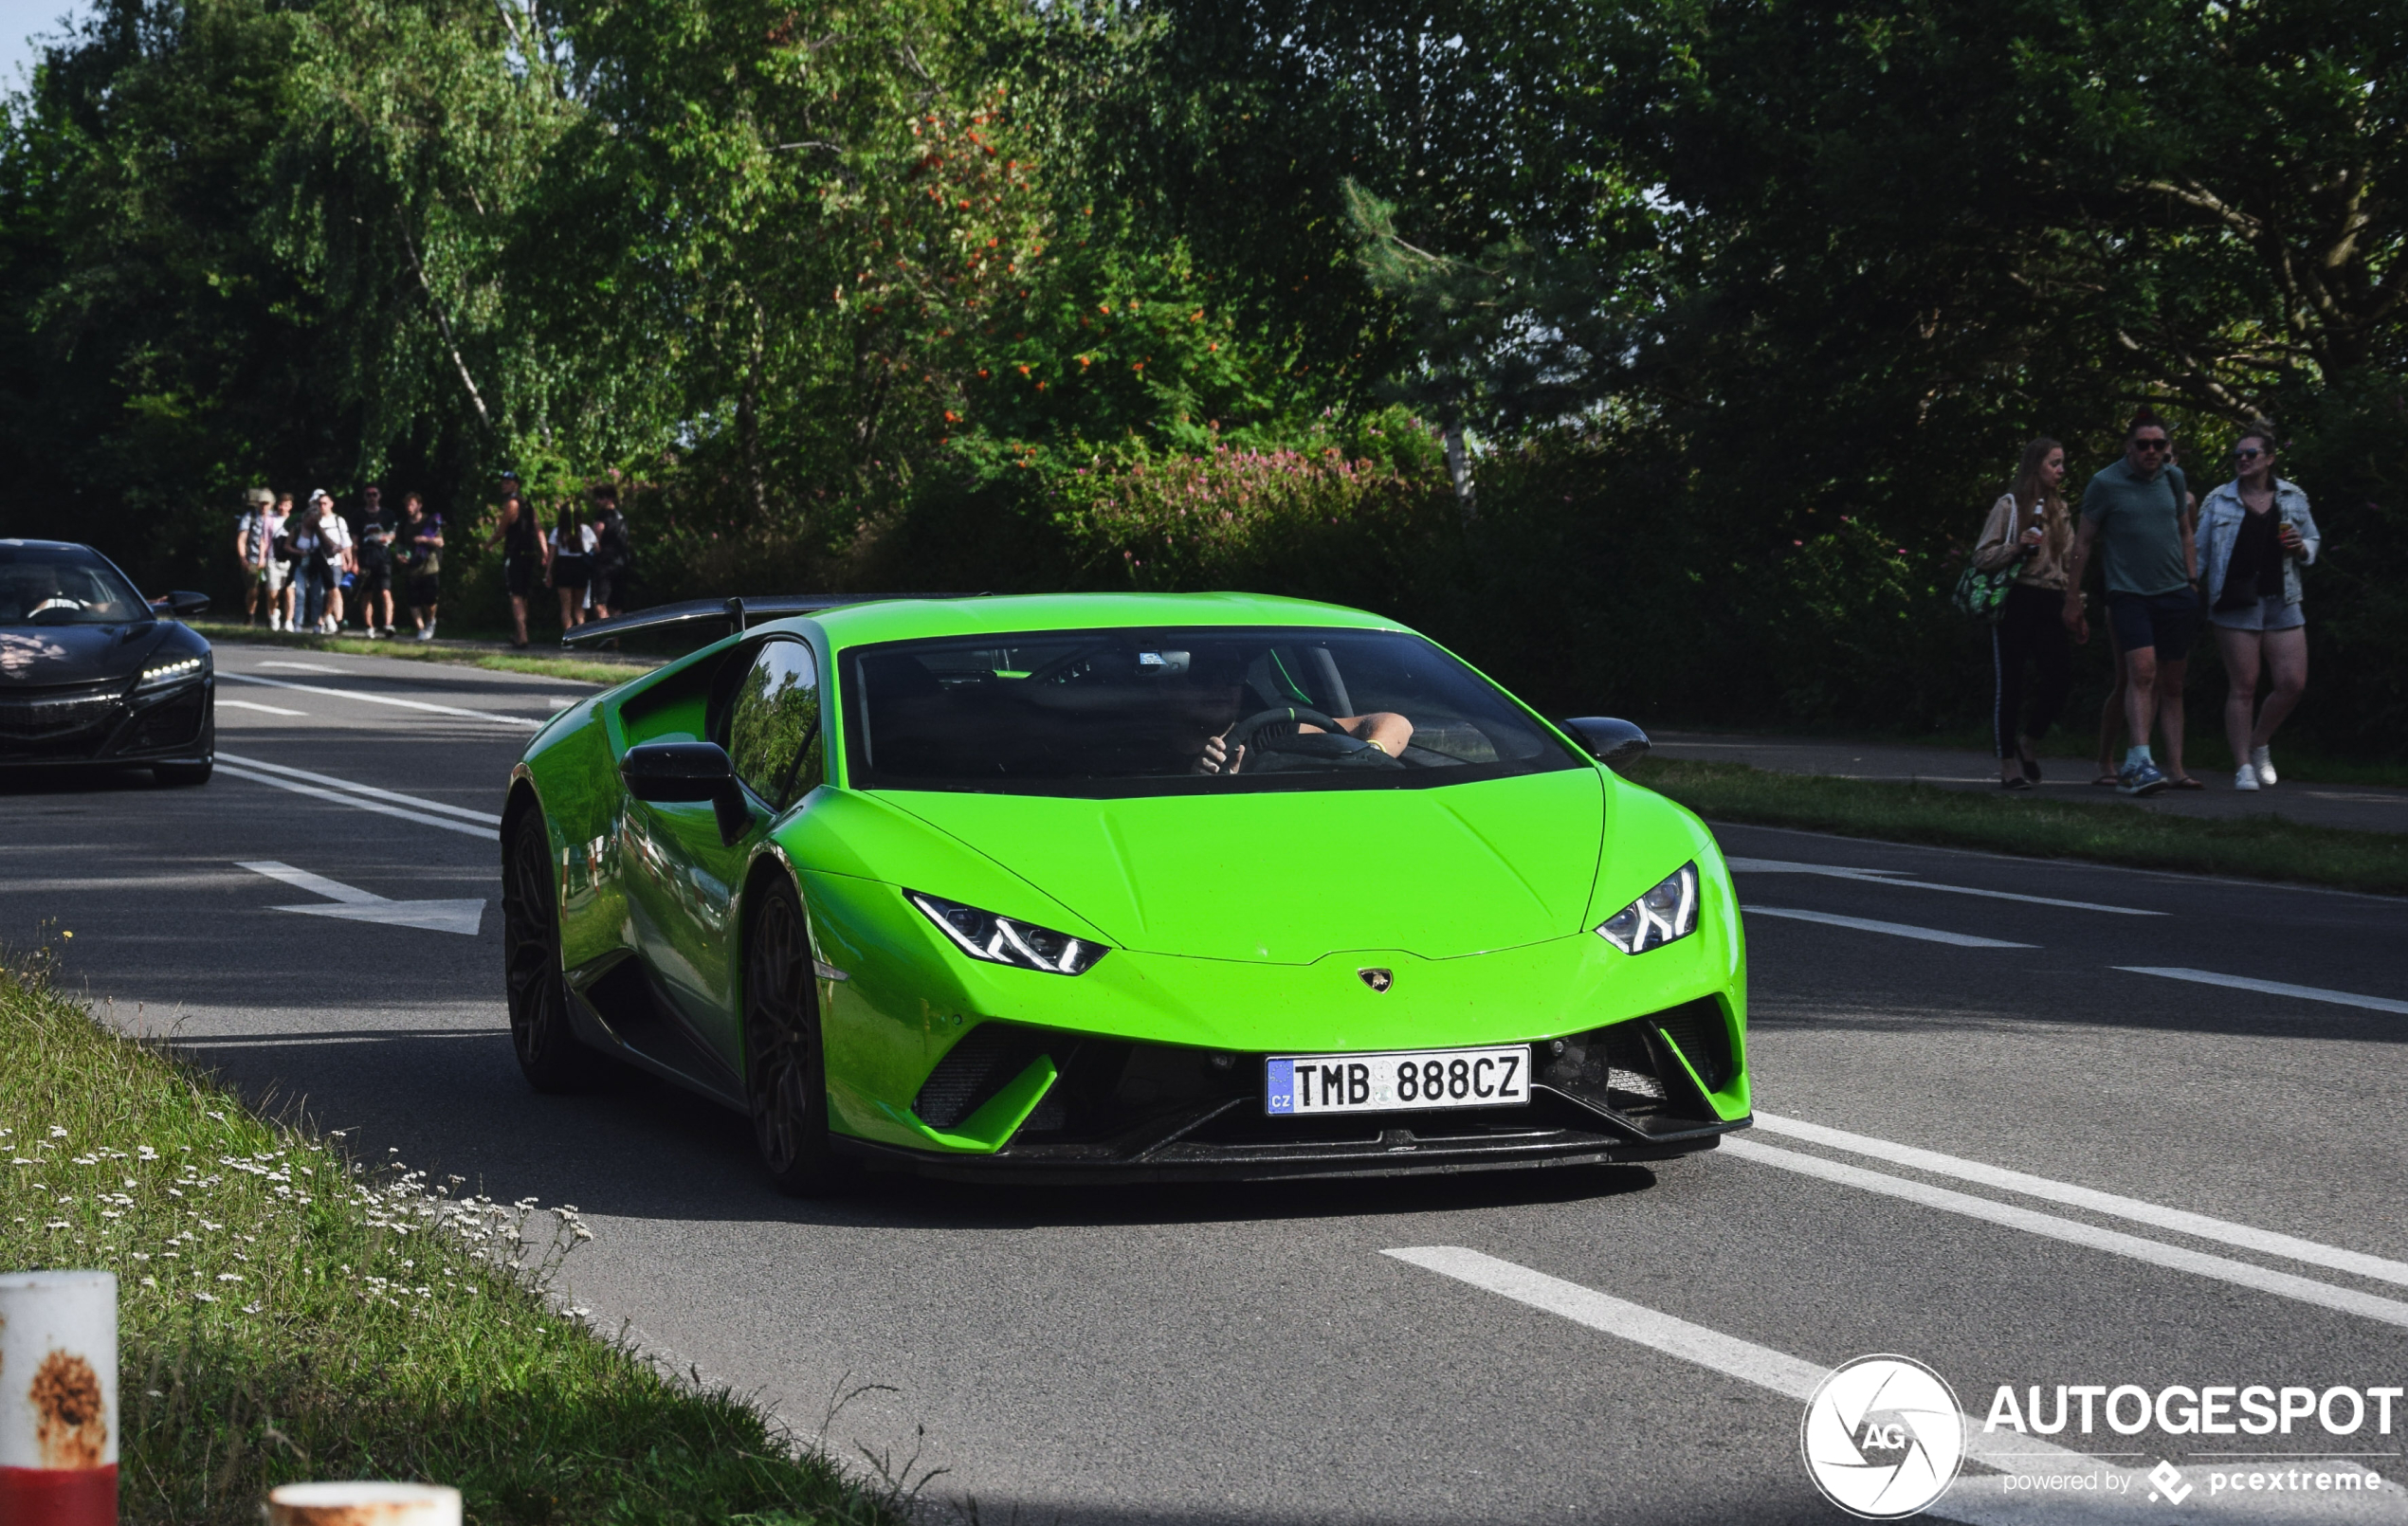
735	613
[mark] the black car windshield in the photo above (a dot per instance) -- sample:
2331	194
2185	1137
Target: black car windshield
64	586
1210	710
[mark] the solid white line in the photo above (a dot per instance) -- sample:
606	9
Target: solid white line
386	700
2271	988
317	884
2072	1231
1743	1359
2223	1230
370	791
265	1041
266	710
355	802
1887	877
1862	924
302	668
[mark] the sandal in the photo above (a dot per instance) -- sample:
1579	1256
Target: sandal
2030	768
2105	779
2019	782
2186	782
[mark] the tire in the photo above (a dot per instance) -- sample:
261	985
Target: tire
785	1068
181	775
540	1035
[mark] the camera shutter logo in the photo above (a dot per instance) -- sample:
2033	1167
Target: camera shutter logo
1883	1437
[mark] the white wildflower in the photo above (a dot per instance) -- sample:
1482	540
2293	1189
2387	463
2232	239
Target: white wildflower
57	1133
150	1281
205	1298
229	1277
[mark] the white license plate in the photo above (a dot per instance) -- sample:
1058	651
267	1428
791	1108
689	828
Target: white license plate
1406	1081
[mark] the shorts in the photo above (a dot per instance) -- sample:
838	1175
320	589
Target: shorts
425	590
598	587
571	573
273	576
373	580
518	577
2267	613
2169	622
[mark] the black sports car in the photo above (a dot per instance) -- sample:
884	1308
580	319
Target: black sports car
92	672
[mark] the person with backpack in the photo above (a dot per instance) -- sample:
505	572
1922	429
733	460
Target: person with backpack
318	552
569	563
2030	529
421	547
522	558
2133	513
613	557
255	543
374	551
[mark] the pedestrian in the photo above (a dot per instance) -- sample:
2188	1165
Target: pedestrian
569	563
2171	719
2133	512
255	543
521	545
375	588
288	564
421	540
317	559
2255	534
613	557
2030	528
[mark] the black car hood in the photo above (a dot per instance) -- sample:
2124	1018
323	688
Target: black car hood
44	655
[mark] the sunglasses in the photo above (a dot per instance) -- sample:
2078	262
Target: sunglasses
2247	453
2152	444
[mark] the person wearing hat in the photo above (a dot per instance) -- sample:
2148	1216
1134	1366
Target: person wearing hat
255	544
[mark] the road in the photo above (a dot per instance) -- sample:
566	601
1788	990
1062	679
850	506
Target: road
2211	1188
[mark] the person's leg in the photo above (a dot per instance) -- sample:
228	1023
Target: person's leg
519	616
2052	659
2010	647
2172	673
568	607
251	594
2140	694
2111	711
2286	664
2239	651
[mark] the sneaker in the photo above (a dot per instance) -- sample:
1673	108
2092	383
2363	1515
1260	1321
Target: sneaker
425	633
2140	779
2245	779
2262	759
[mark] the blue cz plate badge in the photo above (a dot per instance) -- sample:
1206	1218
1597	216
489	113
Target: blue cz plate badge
1405	1081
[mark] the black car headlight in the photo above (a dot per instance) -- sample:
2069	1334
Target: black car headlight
994	939
166	675
1664	913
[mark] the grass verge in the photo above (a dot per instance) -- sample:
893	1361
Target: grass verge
583	669
2257	847
286	1315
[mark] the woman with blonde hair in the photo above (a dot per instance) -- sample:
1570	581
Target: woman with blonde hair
2255	534
2029	525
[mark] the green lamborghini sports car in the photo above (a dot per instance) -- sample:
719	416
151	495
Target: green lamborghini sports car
1120	887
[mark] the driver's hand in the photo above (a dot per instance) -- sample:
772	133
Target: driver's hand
1218	757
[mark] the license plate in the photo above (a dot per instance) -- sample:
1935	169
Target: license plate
1406	1081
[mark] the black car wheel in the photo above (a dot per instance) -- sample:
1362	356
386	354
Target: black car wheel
181	773
547	1046
785	1071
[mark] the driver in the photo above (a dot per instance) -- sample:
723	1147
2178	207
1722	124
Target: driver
1382	729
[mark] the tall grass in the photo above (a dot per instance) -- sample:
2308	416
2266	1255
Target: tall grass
289	1312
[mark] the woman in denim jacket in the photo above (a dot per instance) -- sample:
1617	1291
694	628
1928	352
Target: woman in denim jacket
2254	535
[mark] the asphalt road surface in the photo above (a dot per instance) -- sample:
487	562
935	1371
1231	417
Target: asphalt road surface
2027	1123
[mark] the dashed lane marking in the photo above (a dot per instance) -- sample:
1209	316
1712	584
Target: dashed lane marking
2269	988
522	722
264	710
2223	1230
2076	1232
1866	924
1890	877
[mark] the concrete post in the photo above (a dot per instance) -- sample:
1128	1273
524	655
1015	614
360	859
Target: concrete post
363	1505
57	1399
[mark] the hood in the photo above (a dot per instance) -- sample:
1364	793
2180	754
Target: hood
46	655
1287	877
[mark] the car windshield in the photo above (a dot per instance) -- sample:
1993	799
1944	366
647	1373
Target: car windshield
64	586
1213	710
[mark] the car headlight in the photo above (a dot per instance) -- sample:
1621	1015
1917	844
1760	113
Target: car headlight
1664	913
1007	940
166	673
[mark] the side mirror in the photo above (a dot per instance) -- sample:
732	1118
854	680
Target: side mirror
1617	744
685	772
183	604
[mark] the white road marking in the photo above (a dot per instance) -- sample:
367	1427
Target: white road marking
2222	1230
352	904
279	1041
2270	987
1889	877
2072	1231
370	791
301	667
355	802
394	700
1864	924
264	710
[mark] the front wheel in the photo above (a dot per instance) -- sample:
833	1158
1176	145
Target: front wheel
785	1070
547	1046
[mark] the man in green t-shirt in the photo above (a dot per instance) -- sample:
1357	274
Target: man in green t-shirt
2134	512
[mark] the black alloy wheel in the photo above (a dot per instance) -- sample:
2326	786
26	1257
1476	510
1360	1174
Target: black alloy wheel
785	1071
547	1046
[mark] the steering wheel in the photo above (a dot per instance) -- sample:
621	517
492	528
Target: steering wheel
1242	734
55	602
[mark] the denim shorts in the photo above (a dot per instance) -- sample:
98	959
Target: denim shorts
2267	613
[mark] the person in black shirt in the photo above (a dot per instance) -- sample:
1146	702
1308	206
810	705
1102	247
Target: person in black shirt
2255	532
522	543
421	554
613	557
374	584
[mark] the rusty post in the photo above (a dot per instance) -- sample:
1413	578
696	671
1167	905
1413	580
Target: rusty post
57	1398
363	1505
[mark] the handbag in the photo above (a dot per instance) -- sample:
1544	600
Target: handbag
1982	595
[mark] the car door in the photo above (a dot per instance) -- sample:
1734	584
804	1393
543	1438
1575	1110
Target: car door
765	711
